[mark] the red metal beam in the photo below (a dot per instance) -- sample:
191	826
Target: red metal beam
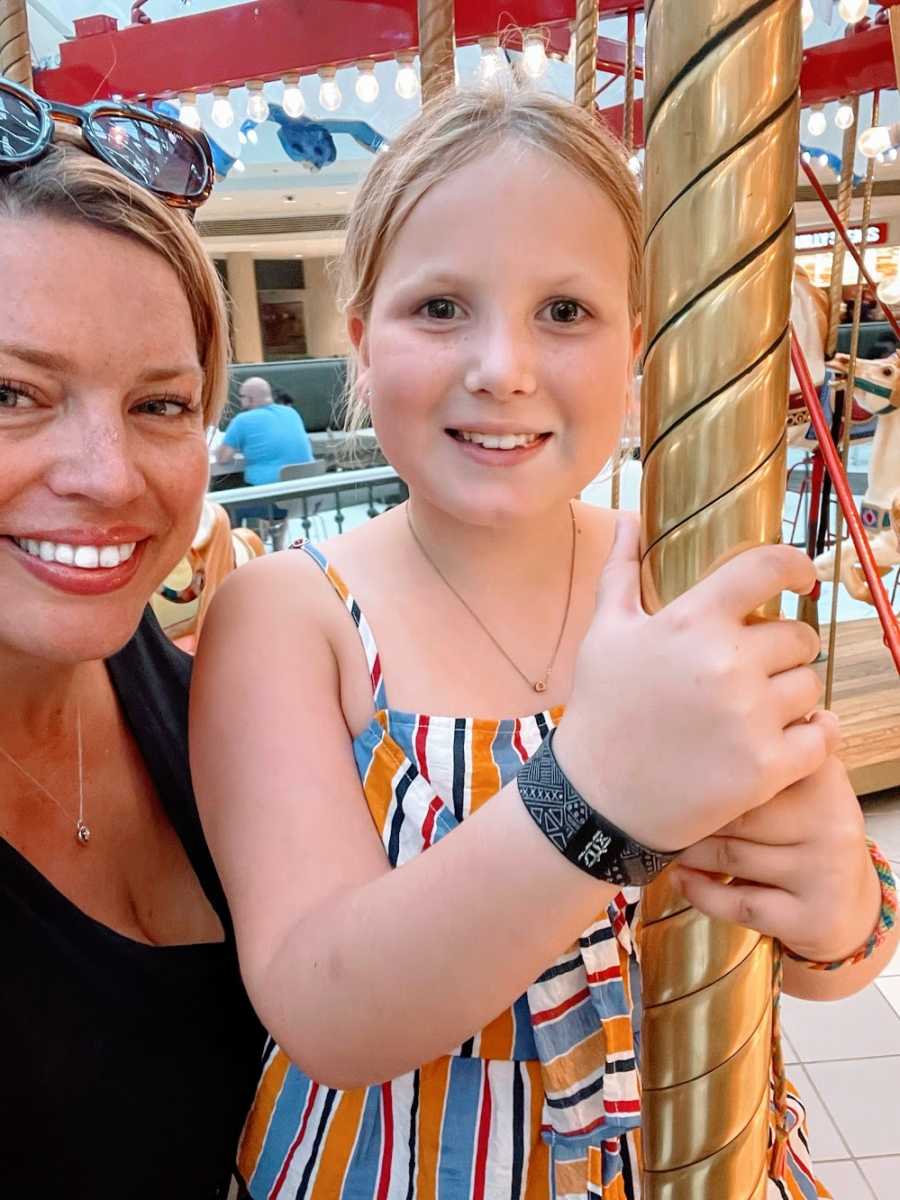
848	67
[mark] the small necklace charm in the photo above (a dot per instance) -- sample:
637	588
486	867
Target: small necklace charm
82	833
541	685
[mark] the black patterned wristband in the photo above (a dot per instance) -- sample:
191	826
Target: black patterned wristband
578	831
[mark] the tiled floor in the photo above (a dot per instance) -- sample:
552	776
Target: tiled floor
846	1065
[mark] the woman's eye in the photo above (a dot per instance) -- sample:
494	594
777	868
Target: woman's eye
164	406
565	312
12	397
441	309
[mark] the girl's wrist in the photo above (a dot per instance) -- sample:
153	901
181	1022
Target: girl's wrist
882	907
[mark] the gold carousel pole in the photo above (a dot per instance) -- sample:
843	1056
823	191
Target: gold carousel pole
15	53
585	34
721	109
436	47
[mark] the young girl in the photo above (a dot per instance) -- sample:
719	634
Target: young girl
491	281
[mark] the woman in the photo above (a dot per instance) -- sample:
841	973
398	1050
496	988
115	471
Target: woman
129	1047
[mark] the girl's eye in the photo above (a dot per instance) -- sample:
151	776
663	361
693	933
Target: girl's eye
12	397
440	309
165	406
565	312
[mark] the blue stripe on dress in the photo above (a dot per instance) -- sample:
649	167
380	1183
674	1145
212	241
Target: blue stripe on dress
324	1118
524	1048
361	1180
459	767
400	789
503	751
282	1130
460	1128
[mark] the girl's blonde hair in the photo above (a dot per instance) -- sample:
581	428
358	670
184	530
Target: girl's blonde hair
460	127
71	185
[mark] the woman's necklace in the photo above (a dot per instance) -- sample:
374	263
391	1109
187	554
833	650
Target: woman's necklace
538	685
82	832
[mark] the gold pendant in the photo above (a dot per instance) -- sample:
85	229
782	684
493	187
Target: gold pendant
82	833
541	685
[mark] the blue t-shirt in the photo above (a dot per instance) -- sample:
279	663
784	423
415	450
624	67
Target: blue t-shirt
270	437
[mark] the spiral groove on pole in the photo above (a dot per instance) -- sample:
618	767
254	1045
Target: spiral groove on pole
585	35
436	47
722	111
15	54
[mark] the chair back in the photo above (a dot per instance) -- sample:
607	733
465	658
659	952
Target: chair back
301	470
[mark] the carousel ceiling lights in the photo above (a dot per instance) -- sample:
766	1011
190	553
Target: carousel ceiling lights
534	54
292	100
852	11
406	85
330	96
877	139
816	121
188	113
222	112
844	117
257	104
238	166
367	88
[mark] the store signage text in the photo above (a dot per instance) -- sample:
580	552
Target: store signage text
822	239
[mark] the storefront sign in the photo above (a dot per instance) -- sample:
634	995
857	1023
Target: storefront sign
809	240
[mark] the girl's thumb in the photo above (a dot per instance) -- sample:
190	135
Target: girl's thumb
620	580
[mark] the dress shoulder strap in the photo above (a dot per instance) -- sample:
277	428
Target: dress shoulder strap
363	628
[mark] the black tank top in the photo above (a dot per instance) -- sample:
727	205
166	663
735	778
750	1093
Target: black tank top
126	1070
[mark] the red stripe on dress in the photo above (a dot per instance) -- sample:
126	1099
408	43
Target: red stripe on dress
605	975
376	673
622	1106
387	1152
289	1158
428	824
518	744
421	752
577	1132
550	1014
484	1130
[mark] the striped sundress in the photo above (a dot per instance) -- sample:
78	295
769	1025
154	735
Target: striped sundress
541	1104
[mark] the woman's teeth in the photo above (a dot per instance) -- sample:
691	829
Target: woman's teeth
89	557
499	441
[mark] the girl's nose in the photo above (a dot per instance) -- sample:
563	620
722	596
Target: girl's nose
502	364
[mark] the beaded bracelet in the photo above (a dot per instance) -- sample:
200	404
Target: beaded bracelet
886	920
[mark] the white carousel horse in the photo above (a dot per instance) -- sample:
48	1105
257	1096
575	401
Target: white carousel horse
876	388
809	317
182	599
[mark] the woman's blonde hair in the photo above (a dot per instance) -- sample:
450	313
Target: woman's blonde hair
71	185
464	125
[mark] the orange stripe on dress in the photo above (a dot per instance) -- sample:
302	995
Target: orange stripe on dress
485	776
432	1097
379	784
619	1035
498	1038
576	1063
339	586
254	1135
335	1156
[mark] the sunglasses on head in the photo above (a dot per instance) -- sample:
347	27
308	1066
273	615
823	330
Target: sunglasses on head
153	151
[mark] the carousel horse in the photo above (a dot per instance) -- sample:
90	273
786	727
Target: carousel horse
182	599
876	388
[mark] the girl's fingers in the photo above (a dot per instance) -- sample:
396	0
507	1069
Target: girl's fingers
781	645
769	910
751	578
794	694
774	865
804	748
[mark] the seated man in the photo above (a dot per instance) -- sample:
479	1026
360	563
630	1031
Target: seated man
270	436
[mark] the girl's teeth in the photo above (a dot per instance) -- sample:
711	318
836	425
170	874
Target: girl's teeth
86	557
498	441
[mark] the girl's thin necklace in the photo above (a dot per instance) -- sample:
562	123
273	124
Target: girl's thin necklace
538	685
82	832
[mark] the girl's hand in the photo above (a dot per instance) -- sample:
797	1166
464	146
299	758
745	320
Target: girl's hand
799	865
682	721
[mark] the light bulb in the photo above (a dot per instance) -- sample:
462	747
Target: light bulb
188	113
892	154
806	156
252	136
880	158
816	121
875	140
242	137
239	166
492	62
634	165
222	112
407	82
889	291
257	104
807	15
852	11
534	55
329	93
822	160
367	88
292	98
844	117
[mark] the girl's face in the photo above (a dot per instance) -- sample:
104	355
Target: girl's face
103	459
499	349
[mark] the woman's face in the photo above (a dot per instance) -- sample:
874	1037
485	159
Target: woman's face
499	348
103	459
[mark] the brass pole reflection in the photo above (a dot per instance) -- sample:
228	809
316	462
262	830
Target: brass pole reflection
437	47
585	34
15	53
721	109
628	138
